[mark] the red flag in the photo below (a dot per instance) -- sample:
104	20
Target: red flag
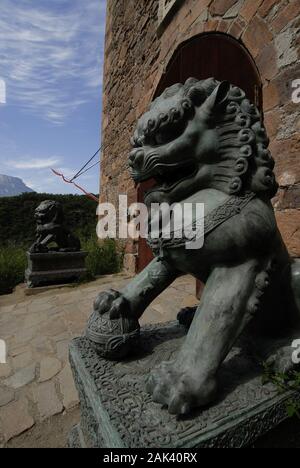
90	195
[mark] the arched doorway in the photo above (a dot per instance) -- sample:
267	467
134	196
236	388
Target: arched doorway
203	56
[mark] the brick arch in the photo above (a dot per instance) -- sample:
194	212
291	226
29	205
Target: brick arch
189	59
249	25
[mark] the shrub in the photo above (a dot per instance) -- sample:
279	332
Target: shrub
103	257
12	268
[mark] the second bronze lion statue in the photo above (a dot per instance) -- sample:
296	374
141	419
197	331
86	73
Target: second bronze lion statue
51	232
204	142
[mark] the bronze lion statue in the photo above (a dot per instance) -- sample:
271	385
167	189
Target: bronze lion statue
51	233
205	142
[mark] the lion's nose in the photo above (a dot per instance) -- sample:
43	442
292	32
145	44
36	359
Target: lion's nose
136	158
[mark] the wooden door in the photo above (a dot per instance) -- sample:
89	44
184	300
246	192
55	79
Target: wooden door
214	55
209	55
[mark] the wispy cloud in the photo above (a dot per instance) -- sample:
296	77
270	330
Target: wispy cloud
2	91
34	163
51	54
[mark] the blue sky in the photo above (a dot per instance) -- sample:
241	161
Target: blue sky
51	56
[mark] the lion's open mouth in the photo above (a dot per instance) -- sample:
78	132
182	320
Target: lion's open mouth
168	176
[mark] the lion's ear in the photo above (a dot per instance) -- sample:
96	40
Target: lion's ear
218	97
222	92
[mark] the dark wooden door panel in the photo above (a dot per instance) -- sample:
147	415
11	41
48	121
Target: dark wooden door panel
216	55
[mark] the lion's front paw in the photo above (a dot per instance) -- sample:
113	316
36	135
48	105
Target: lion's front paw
111	302
179	389
112	331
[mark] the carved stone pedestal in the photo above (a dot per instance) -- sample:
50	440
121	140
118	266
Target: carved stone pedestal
54	268
117	412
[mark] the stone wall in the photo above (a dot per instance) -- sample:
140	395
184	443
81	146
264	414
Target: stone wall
138	51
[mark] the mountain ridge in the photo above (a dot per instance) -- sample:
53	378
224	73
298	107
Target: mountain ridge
11	186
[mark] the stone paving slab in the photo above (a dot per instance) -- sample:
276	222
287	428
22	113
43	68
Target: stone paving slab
36	383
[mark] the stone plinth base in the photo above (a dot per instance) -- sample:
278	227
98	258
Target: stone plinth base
54	268
116	411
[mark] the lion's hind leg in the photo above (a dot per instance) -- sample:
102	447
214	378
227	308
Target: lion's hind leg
229	301
280	322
